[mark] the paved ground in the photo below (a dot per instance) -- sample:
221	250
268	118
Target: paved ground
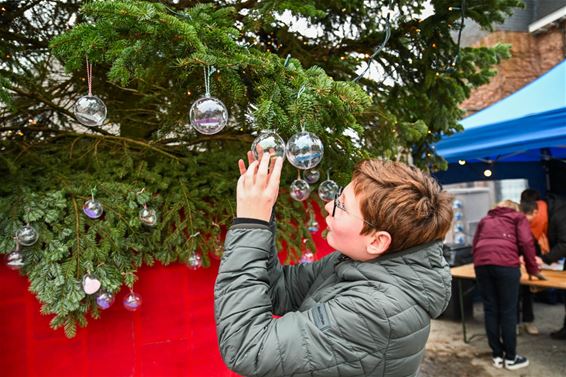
448	355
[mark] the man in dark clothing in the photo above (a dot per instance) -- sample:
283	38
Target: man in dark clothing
557	241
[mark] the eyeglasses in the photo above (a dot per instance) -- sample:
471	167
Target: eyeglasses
339	204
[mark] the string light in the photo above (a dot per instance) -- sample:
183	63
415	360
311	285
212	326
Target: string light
462	162
381	46
487	173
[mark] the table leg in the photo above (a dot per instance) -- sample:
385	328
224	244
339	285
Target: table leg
462	315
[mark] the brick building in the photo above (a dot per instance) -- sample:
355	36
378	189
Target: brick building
537	34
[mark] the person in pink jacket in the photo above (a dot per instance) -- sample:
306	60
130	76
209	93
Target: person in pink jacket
500	239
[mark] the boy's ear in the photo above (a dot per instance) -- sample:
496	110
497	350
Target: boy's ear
379	243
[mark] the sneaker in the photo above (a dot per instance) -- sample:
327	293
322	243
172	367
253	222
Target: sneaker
531	329
498	362
519	362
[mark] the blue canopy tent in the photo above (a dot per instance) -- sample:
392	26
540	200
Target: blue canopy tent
515	137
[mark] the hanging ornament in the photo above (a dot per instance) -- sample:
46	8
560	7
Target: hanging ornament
458	215
148	216
104	300
307	257
268	141
312	175
328	189
304	150
457	204
208	115
313	225
89	109
91	284
132	302
458	227
195	261
459	238
93	208
300	189
27	235
15	259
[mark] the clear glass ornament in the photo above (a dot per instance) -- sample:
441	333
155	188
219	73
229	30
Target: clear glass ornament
104	300
458	215
268	141
300	190
148	216
458	227
459	238
313	226
312	176
91	284
208	115
90	111
93	208
27	235
304	150
132	302
327	190
307	257
15	260
195	261
457	204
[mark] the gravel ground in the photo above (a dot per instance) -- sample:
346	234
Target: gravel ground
448	355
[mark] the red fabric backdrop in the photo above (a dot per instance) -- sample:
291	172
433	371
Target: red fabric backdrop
172	334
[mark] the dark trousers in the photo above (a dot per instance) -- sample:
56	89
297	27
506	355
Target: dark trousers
525	305
499	289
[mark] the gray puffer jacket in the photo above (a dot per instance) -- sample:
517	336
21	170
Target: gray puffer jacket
340	317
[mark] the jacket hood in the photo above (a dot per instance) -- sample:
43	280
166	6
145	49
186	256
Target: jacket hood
421	272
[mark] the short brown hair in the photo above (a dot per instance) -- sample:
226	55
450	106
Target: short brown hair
403	201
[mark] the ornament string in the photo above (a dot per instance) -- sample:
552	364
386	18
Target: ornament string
208	72
89	76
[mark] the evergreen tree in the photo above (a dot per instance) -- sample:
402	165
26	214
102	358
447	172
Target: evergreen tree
148	59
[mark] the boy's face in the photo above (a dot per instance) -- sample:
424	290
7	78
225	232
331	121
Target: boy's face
531	216
345	226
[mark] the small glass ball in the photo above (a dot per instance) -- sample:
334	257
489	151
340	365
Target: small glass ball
195	261
104	300
27	235
458	227
93	209
148	216
132	302
307	257
300	190
327	190
456	204
91	284
15	260
458	215
313	226
90	111
304	150
268	141
459	238
312	176
208	115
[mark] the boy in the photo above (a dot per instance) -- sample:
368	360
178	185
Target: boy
364	310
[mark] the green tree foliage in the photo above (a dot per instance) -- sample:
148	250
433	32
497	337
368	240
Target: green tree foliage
148	59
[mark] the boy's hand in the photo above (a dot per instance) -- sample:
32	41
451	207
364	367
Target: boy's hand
258	187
